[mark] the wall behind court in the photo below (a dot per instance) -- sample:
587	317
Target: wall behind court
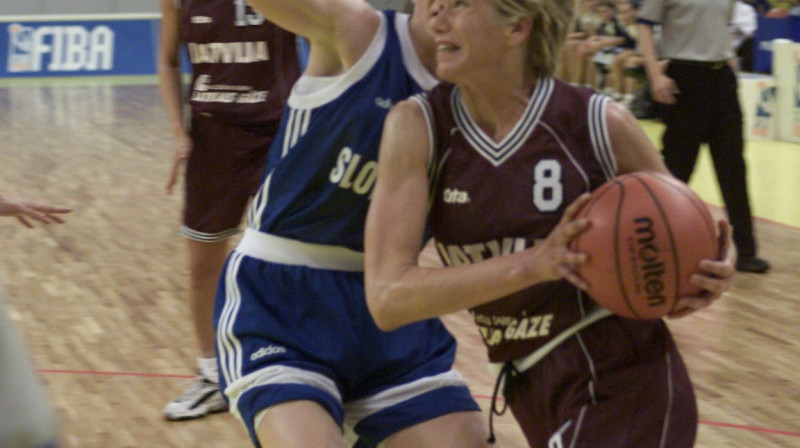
47	7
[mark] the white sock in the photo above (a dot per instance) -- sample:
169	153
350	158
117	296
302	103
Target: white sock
208	369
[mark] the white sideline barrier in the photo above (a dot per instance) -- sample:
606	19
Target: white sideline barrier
786	69
757	98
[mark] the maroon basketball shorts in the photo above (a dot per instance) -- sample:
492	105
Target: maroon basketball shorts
224	171
617	383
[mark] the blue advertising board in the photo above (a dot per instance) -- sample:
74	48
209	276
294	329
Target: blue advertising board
769	29
37	46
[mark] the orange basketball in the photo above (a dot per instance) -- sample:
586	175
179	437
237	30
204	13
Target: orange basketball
647	236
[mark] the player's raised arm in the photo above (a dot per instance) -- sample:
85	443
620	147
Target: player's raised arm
334	28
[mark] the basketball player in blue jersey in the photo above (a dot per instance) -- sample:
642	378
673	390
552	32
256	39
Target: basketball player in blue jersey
242	70
300	356
496	162
27	419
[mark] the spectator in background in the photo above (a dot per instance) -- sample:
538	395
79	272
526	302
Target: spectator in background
699	88
27	419
743	29
598	51
572	66
624	86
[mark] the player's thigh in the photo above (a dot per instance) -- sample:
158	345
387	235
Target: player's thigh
457	430
299	424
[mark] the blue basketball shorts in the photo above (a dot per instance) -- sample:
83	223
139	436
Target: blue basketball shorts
290	332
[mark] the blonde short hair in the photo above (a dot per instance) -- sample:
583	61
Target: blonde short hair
551	22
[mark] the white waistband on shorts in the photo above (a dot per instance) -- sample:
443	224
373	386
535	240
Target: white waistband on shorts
526	362
276	249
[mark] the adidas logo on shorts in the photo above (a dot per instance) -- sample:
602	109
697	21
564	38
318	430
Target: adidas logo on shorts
266	351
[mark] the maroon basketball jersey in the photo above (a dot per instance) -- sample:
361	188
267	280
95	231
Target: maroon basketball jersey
243	67
491	199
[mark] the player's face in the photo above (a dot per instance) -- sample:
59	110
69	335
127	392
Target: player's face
468	35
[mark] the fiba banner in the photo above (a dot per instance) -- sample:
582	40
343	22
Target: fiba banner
38	46
786	68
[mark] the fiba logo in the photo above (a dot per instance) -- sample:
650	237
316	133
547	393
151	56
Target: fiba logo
20	40
59	48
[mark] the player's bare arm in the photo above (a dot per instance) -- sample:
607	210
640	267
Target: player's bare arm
171	86
633	149
335	29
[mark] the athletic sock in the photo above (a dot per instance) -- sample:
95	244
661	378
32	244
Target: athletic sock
208	369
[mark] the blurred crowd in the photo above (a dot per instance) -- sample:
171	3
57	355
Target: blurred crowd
601	52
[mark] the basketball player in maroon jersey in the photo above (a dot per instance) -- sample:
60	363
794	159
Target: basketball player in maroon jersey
243	68
496	162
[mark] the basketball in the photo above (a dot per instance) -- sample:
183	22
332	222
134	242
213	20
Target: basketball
647	235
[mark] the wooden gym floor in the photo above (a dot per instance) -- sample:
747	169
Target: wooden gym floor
101	301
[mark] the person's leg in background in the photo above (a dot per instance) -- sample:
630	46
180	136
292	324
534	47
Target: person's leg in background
686	123
726	143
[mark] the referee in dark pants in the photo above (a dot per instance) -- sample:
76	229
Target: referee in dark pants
699	89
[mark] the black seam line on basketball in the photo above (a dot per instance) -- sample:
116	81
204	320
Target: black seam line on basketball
710	228
677	262
616	249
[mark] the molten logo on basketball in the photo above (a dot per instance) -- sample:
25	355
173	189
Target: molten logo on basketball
652	268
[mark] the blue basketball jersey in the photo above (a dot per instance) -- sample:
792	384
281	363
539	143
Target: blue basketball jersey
323	163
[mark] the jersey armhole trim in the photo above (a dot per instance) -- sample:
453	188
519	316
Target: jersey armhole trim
598	133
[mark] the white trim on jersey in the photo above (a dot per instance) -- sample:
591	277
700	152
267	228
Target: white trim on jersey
259	204
310	92
598	131
530	360
296	127
276	249
411	60
497	153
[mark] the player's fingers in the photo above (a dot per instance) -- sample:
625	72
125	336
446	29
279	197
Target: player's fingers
571	229
714	286
55	218
574	259
568	274
49	209
572	209
33	213
173	173
24	221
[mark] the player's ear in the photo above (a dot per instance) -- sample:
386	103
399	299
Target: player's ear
519	29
